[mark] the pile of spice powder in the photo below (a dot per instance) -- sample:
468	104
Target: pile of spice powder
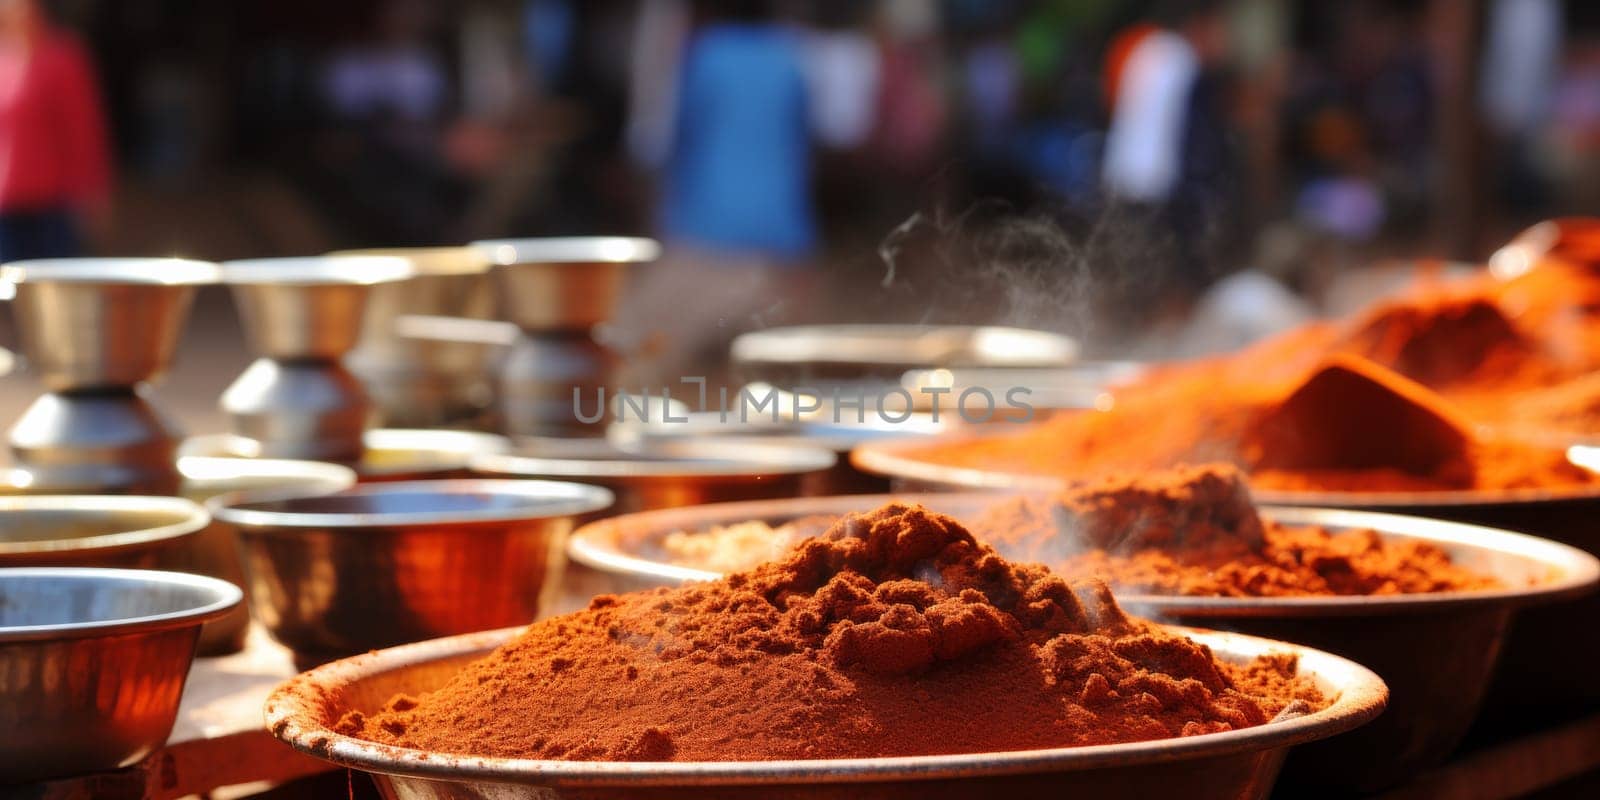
894	633
1198	415
1194	531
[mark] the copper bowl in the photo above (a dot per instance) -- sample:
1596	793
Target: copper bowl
1235	764
1436	651
92	663
388	563
214	550
1525	690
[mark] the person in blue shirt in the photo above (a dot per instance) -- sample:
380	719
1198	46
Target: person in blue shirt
738	177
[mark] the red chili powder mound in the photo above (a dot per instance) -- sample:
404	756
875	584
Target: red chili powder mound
894	633
1194	531
1572	407
1349	425
1455	339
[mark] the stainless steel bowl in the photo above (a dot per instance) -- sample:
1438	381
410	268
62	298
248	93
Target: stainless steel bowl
215	551
667	474
93	531
1235	764
838	436
307	308
388	563
91	323
795	355
92	663
392	454
1436	651
564	283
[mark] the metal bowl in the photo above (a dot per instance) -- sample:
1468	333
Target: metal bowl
786	356
1525	690
215	550
310	307
388	563
93	663
102	322
839	436
392	454
564	283
93	531
405	454
1436	651
665	474
1235	764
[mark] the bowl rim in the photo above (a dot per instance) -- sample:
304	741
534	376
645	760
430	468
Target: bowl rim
594	545
700	458
579	499
225	596
888	458
291	717
121	270
449	450
324	270
532	250
300	471
427	261
190	518
801	344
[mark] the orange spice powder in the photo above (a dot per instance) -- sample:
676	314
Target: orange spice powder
894	633
1194	531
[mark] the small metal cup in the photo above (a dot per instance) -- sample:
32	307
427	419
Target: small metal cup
93	664
97	323
387	563
307	308
564	284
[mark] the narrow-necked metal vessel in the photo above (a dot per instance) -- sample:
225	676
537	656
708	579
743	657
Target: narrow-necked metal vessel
94	663
422	382
558	291
301	316
96	331
1235	764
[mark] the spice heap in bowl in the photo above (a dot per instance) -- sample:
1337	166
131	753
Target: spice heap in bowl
894	634
1195	531
1426	603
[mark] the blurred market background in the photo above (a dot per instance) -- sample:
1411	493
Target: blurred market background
1155	177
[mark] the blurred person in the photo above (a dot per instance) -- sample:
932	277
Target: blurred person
842	70
739	171
1521	61
735	207
1164	115
390	103
55	166
1168	157
911	104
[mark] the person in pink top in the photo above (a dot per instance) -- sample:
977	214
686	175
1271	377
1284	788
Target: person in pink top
54	164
